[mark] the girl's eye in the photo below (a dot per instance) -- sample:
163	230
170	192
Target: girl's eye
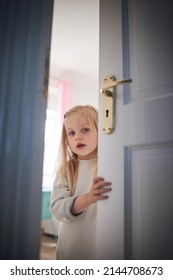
71	133
85	129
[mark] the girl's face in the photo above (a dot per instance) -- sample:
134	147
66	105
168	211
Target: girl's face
82	137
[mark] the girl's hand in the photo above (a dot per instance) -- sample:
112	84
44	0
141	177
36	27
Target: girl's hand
98	190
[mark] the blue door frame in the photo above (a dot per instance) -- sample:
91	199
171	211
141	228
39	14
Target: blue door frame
25	33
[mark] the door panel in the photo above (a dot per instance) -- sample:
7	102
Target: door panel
150	48
148	223
136	223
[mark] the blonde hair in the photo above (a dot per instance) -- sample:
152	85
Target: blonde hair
69	164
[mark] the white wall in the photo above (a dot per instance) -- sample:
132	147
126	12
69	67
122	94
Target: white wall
75	48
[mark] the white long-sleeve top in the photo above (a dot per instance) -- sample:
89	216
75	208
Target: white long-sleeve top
77	233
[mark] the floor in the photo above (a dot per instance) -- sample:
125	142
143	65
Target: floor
48	247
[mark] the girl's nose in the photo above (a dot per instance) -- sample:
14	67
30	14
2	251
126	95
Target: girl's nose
79	137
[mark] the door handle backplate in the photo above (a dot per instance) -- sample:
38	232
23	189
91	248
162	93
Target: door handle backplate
108	91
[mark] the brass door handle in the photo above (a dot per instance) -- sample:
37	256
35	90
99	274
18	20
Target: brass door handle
108	95
111	82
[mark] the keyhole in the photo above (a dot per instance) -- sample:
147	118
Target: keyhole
107	113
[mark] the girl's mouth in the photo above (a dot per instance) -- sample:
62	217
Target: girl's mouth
80	146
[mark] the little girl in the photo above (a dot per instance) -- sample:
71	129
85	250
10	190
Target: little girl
76	188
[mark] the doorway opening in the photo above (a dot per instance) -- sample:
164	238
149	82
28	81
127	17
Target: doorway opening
73	80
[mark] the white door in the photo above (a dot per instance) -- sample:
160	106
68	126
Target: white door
136	41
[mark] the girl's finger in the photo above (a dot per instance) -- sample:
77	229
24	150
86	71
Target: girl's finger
102	190
97	179
101	184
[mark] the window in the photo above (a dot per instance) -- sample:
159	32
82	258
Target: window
59	101
51	145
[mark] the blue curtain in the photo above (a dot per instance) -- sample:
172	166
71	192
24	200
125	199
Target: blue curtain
25	31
